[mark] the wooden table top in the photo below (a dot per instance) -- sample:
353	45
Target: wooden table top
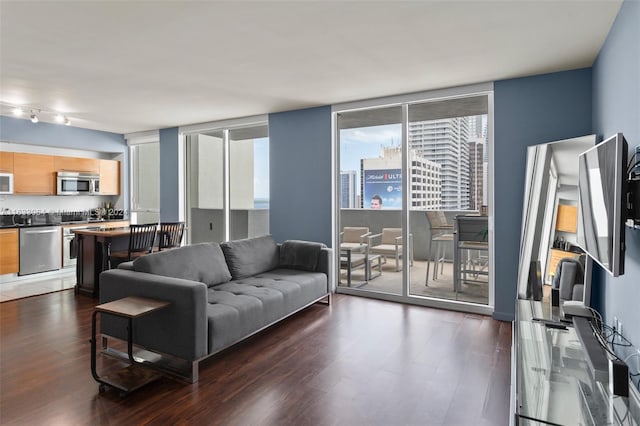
132	306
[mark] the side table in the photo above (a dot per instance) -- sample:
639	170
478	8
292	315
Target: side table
135	375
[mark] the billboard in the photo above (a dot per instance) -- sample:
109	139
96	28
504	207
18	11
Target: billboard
383	189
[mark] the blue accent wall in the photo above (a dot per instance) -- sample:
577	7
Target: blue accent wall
20	130
169	175
300	175
528	111
616	108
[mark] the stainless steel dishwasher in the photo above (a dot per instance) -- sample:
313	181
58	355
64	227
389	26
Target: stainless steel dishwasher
40	249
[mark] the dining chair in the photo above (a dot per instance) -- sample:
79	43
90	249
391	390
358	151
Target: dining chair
471	234
442	235
170	235
141	241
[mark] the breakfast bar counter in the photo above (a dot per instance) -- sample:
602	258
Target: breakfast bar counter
94	245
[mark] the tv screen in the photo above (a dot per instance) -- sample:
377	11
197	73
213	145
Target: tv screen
602	184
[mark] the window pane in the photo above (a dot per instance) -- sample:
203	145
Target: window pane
249	182
371	183
449	138
206	187
146	176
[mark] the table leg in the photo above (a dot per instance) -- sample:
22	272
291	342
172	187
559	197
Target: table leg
130	341
94	373
349	268
456	267
106	255
367	267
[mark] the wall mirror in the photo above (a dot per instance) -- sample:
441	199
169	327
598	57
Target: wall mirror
549	217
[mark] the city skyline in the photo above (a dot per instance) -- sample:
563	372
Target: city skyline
449	142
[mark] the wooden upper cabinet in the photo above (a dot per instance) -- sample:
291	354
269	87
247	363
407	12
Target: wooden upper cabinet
567	219
6	162
33	174
109	177
76	164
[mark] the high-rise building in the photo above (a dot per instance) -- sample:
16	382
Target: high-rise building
382	177
348	189
444	141
476	174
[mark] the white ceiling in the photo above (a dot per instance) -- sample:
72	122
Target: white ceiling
131	66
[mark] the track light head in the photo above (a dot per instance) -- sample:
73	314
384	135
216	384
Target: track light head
34	112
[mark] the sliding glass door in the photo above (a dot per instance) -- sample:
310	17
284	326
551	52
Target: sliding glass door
448	141
413	201
227	183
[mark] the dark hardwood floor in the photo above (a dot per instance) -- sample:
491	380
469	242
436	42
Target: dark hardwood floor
357	362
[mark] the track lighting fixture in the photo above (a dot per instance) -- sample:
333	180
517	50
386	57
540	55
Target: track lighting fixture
35	113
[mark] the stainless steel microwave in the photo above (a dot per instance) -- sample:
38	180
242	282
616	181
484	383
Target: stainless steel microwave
6	183
77	183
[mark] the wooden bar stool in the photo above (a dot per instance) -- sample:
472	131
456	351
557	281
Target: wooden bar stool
170	235
141	240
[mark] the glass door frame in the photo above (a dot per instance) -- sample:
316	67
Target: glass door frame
223	126
405	101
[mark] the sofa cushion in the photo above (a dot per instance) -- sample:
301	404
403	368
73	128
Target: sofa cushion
240	307
250	256
198	262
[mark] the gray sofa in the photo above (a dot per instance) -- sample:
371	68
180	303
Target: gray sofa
219	294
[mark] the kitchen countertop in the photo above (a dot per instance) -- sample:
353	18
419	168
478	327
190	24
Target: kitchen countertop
103	232
33	225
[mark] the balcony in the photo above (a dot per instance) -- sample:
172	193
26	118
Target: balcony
474	289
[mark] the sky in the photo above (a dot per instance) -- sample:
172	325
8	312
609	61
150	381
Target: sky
366	142
261	168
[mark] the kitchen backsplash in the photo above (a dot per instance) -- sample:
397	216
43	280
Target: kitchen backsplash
27	204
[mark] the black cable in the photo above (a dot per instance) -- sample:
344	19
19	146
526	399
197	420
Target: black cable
629	168
615	332
604	344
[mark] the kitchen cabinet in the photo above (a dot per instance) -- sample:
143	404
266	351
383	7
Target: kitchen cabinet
76	164
6	162
33	174
9	251
109	177
567	218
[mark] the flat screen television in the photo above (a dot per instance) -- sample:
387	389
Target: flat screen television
602	189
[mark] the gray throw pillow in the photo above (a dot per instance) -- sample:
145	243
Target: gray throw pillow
250	256
198	262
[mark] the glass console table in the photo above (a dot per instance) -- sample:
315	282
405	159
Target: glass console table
552	383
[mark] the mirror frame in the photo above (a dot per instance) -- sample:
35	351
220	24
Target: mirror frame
542	175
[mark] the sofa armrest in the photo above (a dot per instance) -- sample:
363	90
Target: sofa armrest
179	330
324	265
